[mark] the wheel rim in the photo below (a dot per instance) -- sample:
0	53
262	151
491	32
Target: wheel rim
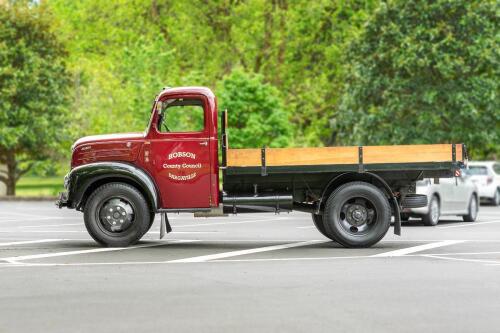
115	215
357	216
497	198
473	208
435	211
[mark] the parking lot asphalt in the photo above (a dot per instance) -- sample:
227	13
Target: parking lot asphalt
245	273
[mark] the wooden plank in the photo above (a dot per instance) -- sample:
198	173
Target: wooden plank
311	156
293	156
459	152
343	155
243	157
407	153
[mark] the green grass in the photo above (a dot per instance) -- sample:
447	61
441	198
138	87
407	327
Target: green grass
39	186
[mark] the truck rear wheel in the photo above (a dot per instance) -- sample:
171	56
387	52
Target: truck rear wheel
357	214
116	214
320	225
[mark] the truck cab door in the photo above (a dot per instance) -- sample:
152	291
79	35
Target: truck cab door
178	153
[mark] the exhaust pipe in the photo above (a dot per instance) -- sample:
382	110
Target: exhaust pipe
233	204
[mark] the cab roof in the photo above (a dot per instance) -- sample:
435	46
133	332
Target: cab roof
188	91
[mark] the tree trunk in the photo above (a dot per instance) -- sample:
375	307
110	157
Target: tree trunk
11	173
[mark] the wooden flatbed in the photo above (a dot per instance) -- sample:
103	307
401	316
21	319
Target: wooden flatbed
352	158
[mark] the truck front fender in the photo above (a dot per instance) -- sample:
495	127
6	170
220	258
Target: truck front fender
83	180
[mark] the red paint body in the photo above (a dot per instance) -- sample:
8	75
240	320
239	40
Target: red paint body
186	180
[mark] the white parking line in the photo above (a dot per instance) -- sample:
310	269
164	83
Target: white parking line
30	242
17	259
41	231
306	227
50	225
244	252
469	224
482	261
31	219
418	248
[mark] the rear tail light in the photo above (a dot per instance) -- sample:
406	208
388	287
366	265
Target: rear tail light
489	180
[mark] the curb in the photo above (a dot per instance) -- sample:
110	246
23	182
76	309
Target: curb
14	198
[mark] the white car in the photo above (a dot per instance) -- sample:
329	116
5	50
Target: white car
452	196
486	175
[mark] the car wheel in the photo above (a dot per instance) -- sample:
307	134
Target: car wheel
357	214
496	198
320	225
116	214
472	211
432	216
405	217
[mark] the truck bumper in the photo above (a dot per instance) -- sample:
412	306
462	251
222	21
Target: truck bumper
62	200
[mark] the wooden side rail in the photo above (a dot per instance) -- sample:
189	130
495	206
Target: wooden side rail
346	155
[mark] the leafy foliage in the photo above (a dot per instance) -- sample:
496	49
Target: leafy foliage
33	87
425	72
256	115
123	52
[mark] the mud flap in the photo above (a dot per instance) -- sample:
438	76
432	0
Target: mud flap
397	217
164	225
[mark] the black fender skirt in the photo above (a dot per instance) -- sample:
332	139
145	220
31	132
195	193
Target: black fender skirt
87	176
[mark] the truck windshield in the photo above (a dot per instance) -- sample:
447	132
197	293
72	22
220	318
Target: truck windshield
181	115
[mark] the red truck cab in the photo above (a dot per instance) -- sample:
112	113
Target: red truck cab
182	158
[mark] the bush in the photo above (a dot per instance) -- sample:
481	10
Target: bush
256	114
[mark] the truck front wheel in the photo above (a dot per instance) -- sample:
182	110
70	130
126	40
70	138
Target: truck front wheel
357	214
116	214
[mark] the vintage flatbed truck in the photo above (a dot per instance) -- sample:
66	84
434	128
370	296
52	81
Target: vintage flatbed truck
121	181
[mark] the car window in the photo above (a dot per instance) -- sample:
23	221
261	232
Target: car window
182	115
477	171
496	168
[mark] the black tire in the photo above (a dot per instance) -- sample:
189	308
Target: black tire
414	201
320	225
121	198
432	217
405	217
472	209
496	198
151	220
357	214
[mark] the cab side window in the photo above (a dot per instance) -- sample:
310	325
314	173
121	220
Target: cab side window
181	115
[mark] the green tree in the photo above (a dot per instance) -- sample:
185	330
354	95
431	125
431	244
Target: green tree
33	85
256	114
123	52
425	72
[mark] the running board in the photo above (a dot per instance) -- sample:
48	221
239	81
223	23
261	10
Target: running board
214	212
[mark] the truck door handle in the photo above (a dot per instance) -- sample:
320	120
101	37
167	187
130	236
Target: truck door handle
204	143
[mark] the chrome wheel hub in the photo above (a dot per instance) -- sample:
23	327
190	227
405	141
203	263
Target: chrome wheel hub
357	215
116	215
